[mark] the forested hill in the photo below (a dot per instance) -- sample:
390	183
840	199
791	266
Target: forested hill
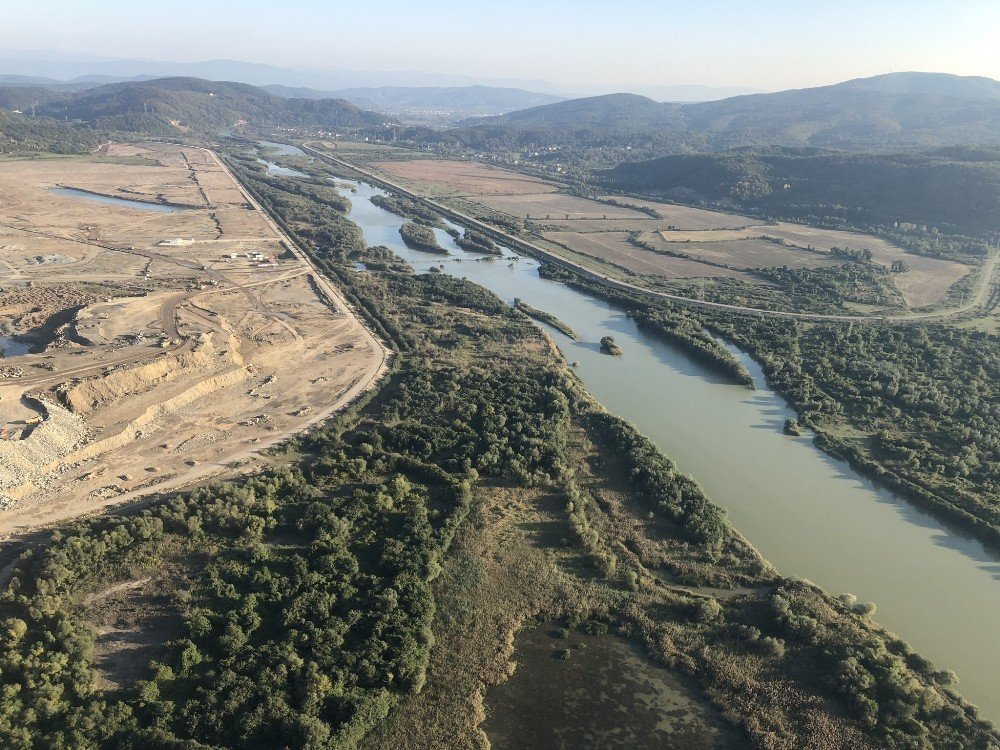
20	134
899	110
626	112
956	189
172	104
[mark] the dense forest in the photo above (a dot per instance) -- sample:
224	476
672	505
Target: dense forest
25	135
176	105
944	192
421	237
924	398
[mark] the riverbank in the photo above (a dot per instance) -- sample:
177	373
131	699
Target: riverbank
800	507
547	318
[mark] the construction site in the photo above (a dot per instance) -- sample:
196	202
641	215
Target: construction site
156	329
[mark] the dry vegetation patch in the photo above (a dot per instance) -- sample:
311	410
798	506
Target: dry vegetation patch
617	248
556	206
442	177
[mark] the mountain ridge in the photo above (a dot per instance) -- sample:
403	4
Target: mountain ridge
893	110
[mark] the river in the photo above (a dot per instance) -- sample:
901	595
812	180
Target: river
809	514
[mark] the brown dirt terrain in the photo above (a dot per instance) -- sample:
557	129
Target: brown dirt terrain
153	363
751	252
615	248
925	283
463	178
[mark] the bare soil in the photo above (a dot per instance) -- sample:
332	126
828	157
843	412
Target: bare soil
462	178
615	248
156	363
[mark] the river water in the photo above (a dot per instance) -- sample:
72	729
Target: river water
809	514
163	208
12	348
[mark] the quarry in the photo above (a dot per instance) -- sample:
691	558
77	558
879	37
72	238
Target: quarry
156	329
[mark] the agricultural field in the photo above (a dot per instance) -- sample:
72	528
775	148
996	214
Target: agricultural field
437	177
748	252
708	239
588	226
617	249
925	283
558	206
168	338
687	217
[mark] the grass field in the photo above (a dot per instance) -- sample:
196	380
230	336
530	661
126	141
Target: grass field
744	253
615	248
463	178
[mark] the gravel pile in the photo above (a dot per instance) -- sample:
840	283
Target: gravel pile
24	460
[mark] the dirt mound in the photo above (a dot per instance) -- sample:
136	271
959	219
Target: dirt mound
96	393
58	435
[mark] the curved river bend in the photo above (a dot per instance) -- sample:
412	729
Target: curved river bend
807	513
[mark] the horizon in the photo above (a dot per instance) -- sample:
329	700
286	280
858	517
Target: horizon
601	49
434	81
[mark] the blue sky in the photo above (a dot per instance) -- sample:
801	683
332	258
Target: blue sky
768	44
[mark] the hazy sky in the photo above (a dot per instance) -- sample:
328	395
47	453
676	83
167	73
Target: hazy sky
767	44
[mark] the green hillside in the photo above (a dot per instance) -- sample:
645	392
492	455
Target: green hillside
901	110
957	190
169	104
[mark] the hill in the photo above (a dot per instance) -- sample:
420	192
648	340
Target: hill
956	190
610	111
899	110
169	104
20	134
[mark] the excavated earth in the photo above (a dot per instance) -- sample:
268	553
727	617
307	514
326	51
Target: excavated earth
164	346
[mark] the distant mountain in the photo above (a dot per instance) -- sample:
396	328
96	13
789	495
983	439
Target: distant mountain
64	67
24	97
430	103
938	84
891	111
14	80
692	93
77	84
628	112
173	104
